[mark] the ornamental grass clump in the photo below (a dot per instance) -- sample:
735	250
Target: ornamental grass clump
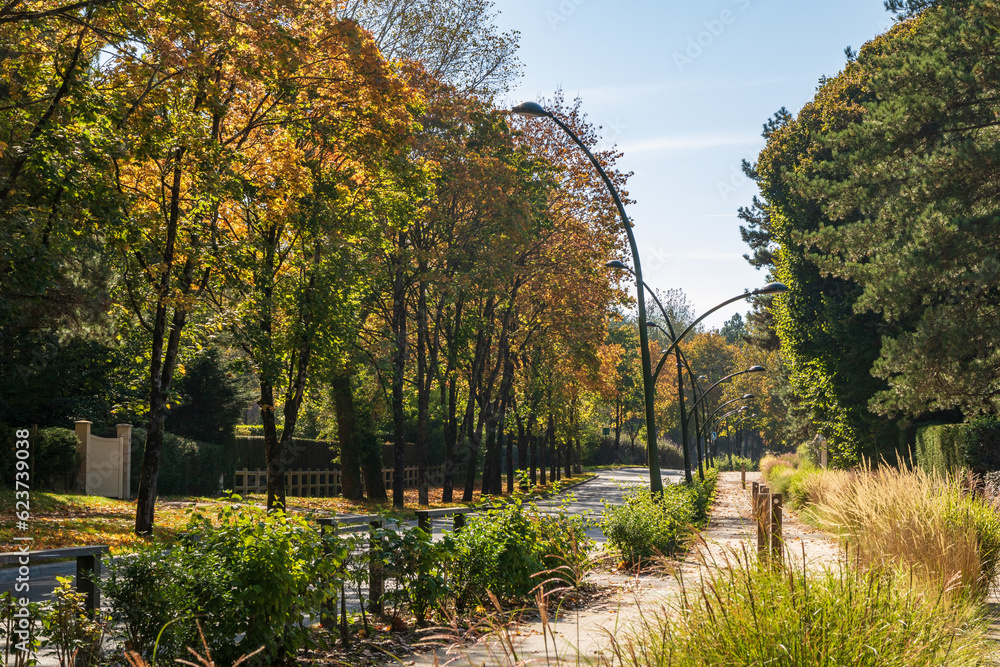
917	521
748	613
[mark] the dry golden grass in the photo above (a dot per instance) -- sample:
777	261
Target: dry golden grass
907	518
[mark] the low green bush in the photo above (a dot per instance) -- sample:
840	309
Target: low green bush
54	458
511	550
648	525
416	568
248	581
57	458
735	464
752	614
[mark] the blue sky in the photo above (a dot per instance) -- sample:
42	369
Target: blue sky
683	88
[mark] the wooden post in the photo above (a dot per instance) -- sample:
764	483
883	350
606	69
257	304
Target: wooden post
459	522
424	521
376	586
775	526
754	488
743	477
330	608
88	573
761	504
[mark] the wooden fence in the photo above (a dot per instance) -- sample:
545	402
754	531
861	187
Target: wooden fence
325	483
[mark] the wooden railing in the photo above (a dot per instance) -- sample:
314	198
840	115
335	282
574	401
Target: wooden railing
326	483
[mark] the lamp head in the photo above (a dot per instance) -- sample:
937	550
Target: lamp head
531	110
747	397
770	288
615	264
756	369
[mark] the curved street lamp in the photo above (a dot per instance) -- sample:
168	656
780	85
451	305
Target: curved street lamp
768	289
744	397
728	414
535	110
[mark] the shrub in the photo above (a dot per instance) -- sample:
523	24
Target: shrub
186	466
671	456
54	457
981	439
253	576
734	464
511	550
748	614
57	459
940	448
647	525
416	566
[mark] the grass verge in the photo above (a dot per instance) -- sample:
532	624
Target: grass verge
745	613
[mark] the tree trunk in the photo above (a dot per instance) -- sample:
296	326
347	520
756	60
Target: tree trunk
423	390
399	368
272	448
510	463
619	409
450	439
550	437
522	449
350	460
533	454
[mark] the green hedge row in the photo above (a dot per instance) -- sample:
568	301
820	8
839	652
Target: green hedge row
948	447
187	467
54	458
304	454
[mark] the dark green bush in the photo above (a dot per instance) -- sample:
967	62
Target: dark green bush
187	467
248	581
647	525
54	457
941	448
982	444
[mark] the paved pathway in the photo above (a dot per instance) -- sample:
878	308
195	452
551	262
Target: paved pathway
582	637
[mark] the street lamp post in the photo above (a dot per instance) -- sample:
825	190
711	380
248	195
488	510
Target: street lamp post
535	110
770	288
671	335
684	414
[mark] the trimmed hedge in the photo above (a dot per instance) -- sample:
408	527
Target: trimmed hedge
941	448
187	467
982	444
304	454
54	458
